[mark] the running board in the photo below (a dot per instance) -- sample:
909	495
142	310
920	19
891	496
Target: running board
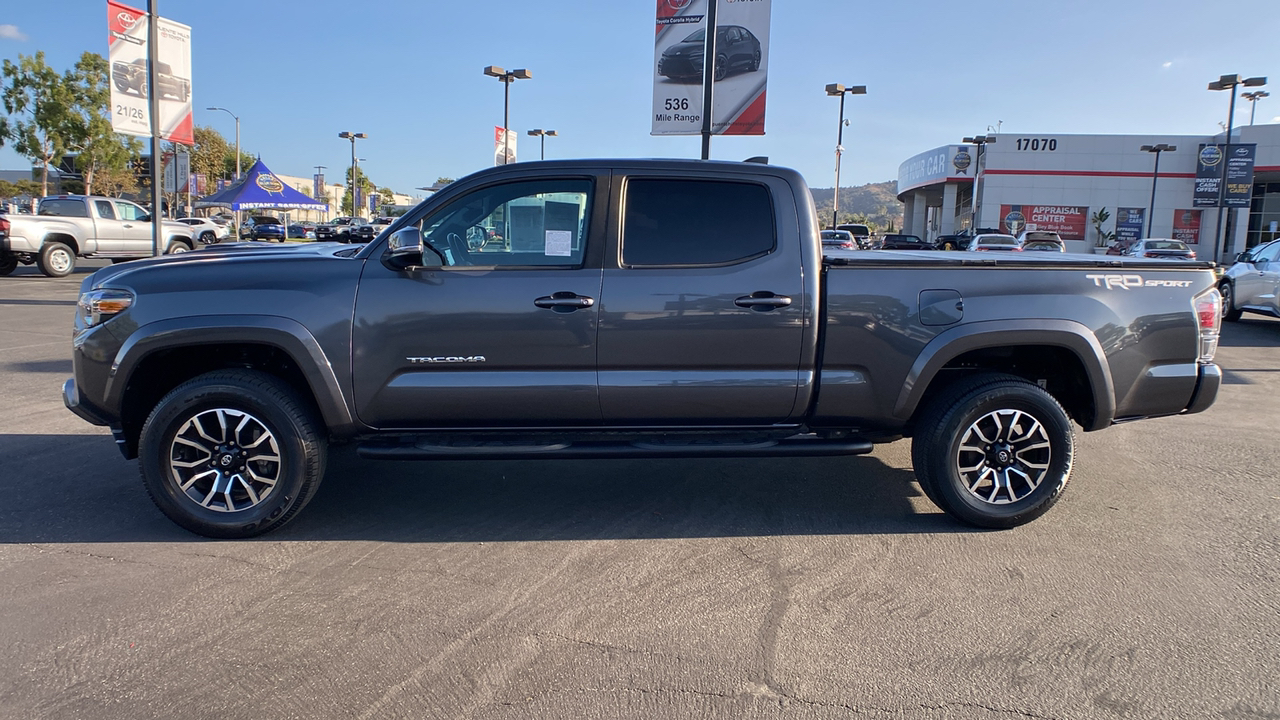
435	449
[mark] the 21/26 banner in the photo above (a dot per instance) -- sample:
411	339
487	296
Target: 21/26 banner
741	69
127	41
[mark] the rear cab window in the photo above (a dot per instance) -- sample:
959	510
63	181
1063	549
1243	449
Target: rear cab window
63	207
684	222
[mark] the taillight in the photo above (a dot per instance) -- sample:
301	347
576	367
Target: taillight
1208	309
4	226
1192	253
1150	255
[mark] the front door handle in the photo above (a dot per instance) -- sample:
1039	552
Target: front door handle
564	302
763	301
128	225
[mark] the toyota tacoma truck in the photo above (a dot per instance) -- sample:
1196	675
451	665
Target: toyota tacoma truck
339	229
626	308
69	226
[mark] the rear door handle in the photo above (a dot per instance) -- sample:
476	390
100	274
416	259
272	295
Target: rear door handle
763	301
564	302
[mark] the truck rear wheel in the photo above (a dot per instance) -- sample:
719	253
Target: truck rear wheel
8	263
56	260
231	454
994	451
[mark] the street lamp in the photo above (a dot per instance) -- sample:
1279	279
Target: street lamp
355	205
506	78
237	117
1155	176
1253	98
542	136
841	90
978	175
1226	82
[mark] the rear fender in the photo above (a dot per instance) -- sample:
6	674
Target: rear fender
1067	334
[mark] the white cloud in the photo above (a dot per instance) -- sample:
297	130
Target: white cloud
11	32
1167	65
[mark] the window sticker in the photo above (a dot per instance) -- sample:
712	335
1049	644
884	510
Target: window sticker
558	243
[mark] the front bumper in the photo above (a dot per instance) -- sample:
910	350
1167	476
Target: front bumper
71	398
1207	384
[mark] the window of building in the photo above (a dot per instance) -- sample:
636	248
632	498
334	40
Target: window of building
696	222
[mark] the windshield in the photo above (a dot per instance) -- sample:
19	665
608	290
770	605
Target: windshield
1166	245
698	36
997	240
1043	237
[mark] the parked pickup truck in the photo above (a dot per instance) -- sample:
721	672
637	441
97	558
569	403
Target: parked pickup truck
69	226
339	229
626	309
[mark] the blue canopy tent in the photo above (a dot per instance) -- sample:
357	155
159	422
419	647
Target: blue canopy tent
260	189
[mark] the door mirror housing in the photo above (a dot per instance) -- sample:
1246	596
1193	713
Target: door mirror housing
406	249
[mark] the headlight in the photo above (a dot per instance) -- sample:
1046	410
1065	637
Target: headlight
99	306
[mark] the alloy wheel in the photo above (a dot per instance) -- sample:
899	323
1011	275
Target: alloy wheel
225	460
1003	456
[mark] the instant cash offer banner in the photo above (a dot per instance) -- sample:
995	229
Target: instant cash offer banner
127	41
742	44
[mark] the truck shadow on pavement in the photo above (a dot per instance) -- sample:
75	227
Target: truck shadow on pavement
77	489
1251	331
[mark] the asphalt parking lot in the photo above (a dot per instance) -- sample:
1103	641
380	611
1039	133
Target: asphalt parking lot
816	588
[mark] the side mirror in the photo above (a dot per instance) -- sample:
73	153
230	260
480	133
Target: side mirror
145	218
1243	257
406	249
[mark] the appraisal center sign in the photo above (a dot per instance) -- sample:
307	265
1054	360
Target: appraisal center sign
1069	221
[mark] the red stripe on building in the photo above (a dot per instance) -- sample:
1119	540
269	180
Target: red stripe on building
1267	168
750	121
1089	173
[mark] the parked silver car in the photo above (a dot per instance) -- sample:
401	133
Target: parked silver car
1252	284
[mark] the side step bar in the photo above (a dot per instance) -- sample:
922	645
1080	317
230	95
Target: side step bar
436	449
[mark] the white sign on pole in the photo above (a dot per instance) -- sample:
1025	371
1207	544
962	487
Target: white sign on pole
177	172
742	49
504	146
130	92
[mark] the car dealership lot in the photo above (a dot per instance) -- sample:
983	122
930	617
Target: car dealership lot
656	588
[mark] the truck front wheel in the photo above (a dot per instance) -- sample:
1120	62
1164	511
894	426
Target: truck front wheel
56	260
231	454
993	451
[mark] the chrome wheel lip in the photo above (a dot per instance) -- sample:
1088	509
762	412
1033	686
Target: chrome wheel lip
1003	456
224	460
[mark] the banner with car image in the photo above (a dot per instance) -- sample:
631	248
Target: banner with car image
741	69
127	43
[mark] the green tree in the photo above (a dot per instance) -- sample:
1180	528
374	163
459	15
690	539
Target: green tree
41	108
98	145
366	188
210	154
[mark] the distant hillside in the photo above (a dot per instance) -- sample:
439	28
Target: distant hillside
877	201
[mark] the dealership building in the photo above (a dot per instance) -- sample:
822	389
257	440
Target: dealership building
1060	182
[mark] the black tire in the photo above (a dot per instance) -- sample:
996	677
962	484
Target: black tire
56	260
1229	311
722	67
968	407
177	247
755	62
274	407
8	263
208	238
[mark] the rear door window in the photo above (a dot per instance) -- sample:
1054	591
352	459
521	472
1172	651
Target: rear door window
695	222
104	209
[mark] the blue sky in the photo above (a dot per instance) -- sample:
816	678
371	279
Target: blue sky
409	75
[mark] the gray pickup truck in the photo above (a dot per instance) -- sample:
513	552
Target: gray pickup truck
69	226
606	309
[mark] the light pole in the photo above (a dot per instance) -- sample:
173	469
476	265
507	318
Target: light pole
841	90
506	78
542	136
978	175
355	204
1253	98
237	117
1227	82
1155	176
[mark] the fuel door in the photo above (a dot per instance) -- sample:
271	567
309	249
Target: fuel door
941	307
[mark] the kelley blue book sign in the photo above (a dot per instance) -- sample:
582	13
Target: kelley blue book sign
1238	160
